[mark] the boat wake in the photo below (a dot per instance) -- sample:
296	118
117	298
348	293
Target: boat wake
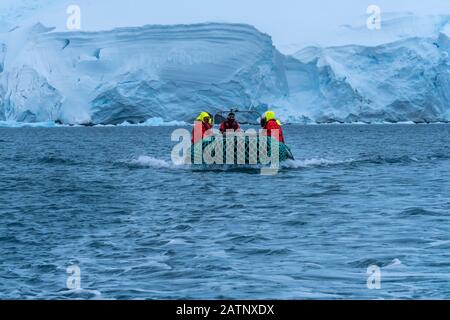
313	162
152	162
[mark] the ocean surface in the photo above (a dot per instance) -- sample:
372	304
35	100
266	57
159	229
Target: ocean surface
109	201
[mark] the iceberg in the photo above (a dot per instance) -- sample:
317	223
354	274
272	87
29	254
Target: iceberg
156	122
406	80
132	75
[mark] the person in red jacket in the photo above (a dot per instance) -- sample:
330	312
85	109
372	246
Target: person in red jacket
202	127
270	124
230	124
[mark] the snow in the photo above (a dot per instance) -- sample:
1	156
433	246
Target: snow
158	74
406	80
133	74
446	30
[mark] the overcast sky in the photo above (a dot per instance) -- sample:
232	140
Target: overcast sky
287	21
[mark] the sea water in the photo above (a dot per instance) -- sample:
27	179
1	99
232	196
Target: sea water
109	203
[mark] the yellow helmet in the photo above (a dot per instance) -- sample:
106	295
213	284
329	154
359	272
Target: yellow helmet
203	115
269	115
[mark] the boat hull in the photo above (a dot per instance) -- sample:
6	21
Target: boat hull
239	150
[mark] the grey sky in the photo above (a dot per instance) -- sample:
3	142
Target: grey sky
289	22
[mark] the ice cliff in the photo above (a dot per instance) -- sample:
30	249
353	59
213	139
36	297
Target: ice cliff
174	72
132	74
407	80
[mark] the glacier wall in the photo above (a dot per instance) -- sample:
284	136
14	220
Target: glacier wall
174	72
407	80
133	74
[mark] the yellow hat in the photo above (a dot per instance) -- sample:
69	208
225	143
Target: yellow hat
269	115
202	116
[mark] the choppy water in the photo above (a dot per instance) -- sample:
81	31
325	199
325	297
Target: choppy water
110	201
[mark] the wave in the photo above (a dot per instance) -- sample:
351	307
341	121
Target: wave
314	162
81	293
152	162
148	161
418	211
56	160
382	262
375	160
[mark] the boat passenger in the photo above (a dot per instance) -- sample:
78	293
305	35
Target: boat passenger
272	126
230	124
202	127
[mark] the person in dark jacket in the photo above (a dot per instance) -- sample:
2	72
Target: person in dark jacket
230	124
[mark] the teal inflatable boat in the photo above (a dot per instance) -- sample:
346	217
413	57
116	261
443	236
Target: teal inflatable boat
239	150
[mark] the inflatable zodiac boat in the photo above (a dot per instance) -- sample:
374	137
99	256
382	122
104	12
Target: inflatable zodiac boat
239	149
